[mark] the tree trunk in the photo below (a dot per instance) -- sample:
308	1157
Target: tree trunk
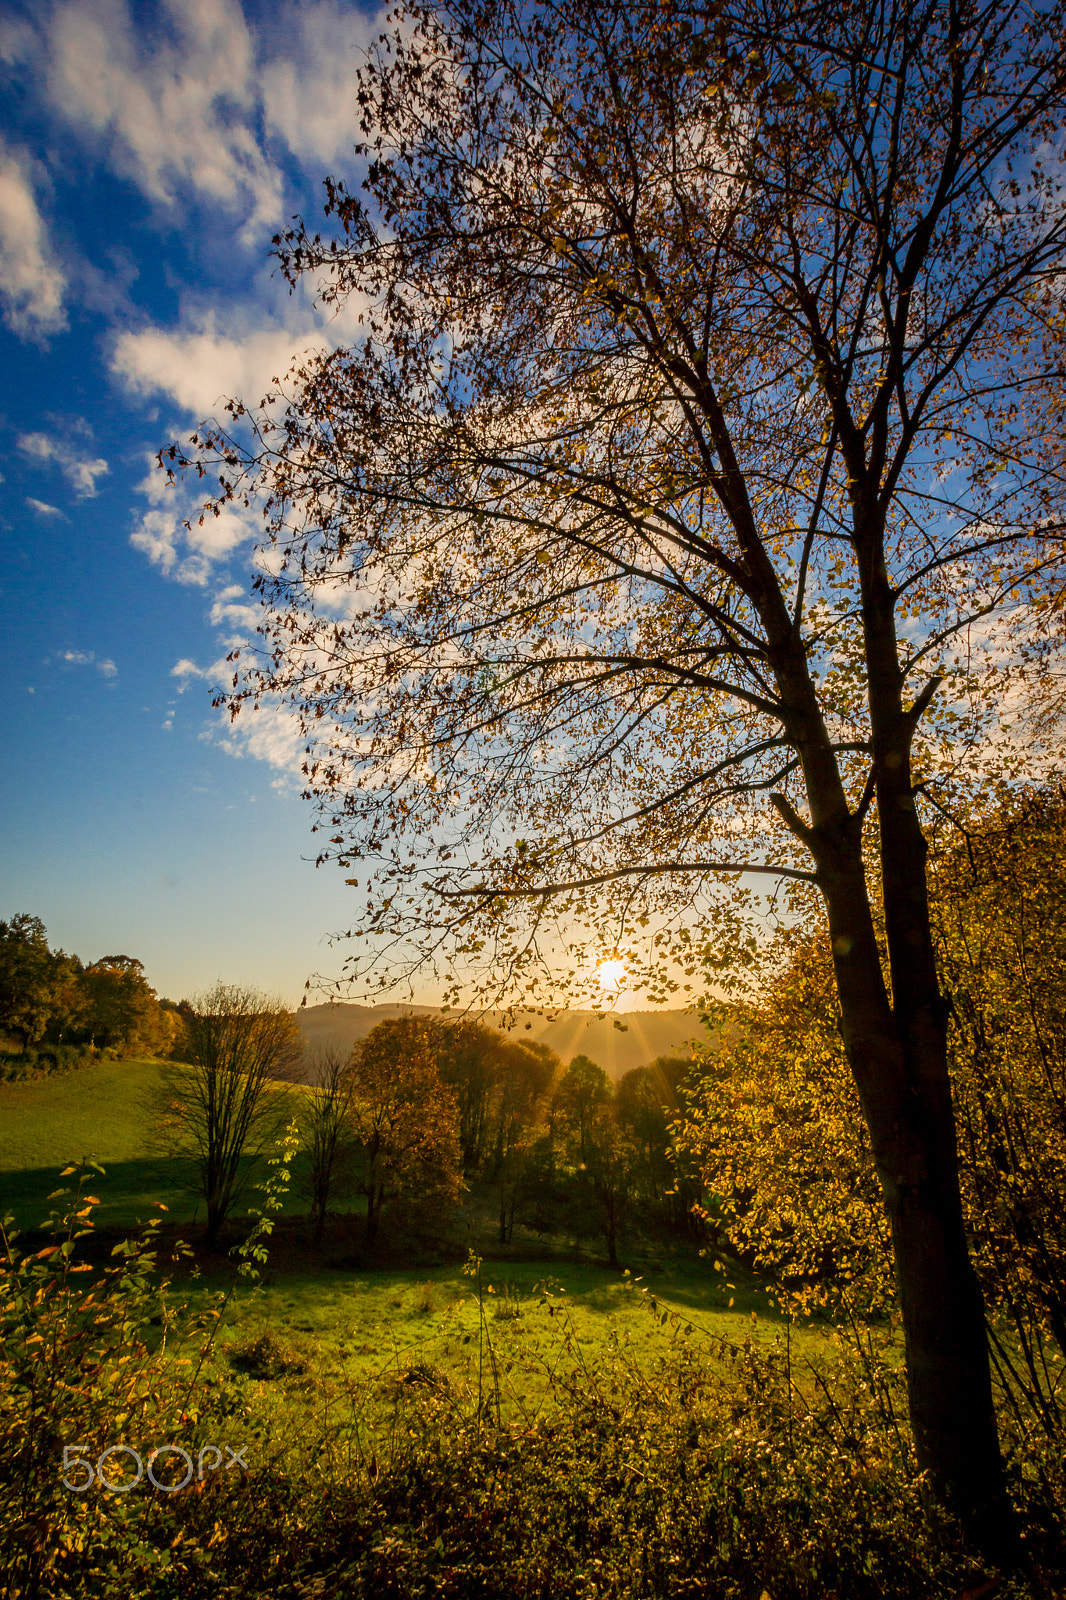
374	1197
948	1378
216	1216
898	1055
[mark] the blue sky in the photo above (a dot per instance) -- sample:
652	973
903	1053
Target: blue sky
148	151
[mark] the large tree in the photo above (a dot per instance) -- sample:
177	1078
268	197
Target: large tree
120	1005
698	468
39	987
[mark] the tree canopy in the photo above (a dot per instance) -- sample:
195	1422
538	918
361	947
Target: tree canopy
47	995
708	389
35	981
404	1117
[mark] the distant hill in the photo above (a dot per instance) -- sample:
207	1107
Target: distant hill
616	1043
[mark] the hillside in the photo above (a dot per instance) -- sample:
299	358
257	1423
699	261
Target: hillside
105	1112
616	1043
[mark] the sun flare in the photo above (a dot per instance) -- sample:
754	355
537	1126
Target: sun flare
612	975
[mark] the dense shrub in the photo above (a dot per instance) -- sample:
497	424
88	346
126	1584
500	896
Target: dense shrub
45	1060
104	1364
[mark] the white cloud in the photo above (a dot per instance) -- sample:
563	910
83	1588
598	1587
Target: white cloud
80	471
31	280
87	658
200	366
157	535
42	508
308	85
270	734
218	534
224	609
178	543
177	109
17	41
185	669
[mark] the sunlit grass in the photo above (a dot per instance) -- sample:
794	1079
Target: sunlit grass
361	1347
105	1112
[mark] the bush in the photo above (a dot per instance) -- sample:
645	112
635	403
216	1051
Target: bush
77	1377
724	1474
267	1357
101	1361
45	1060
715	1477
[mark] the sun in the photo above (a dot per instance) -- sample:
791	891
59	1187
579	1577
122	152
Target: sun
612	975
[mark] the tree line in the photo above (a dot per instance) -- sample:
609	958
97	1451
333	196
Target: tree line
430	1104
420	1113
51	1001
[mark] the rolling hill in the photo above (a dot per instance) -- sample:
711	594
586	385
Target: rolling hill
616	1043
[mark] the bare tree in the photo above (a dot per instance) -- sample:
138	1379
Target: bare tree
328	1137
224	1104
680	517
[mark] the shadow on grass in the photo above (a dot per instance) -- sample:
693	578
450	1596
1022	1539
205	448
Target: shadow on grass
128	1192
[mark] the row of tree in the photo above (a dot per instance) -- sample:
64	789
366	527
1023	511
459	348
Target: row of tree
50	998
421	1110
423	1105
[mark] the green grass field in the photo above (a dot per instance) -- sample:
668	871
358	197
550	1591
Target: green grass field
356	1334
102	1112
105	1113
348	1353
379	1408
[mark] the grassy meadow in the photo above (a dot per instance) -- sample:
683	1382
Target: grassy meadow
369	1321
448	1419
106	1113
103	1113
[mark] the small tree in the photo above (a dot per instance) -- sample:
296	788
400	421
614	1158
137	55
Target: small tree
327	1108
471	1061
608	1175
646	1103
583	1089
527	1071
224	1105
405	1118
